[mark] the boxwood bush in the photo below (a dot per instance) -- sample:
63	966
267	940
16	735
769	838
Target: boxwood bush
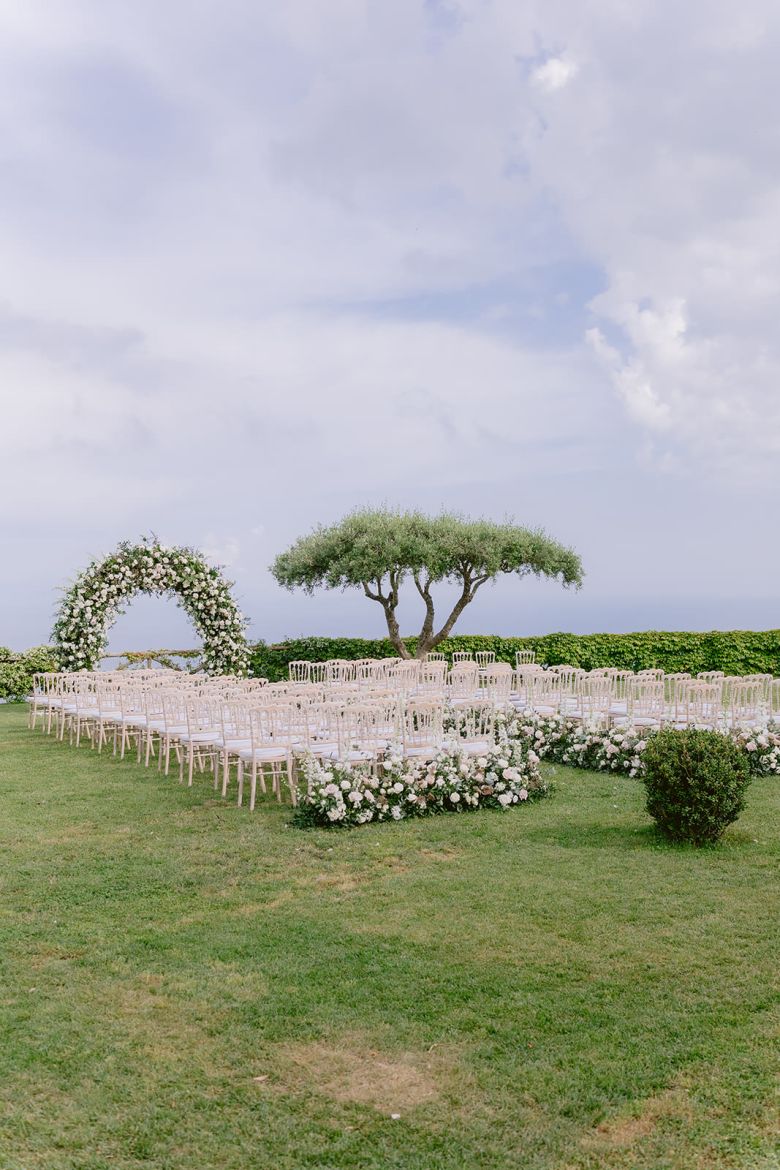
734	652
695	782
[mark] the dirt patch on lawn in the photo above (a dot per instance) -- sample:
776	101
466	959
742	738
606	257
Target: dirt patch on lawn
619	1132
352	1072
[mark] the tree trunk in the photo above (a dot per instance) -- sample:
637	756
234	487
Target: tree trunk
426	633
389	603
394	632
470	587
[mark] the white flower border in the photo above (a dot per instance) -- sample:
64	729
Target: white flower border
341	794
96	599
619	749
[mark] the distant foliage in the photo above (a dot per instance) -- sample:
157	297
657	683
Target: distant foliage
17	670
695	782
734	652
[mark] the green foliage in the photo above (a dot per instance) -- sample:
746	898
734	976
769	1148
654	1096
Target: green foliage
695	782
379	549
733	651
186	660
366	545
17	670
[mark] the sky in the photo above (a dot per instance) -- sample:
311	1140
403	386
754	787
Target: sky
261	264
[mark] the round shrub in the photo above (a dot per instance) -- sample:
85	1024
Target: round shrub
695	782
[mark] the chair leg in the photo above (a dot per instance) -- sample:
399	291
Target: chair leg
253	786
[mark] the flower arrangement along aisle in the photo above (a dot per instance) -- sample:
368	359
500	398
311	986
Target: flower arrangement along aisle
339	794
95	600
619	749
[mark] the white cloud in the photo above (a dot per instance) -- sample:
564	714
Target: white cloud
220	551
554	73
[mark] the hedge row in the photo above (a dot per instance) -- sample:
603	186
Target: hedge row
17	670
734	651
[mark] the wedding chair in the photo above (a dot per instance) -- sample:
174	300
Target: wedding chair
365	671
702	704
747	703
774	701
431	677
174	705
593	699
132	716
646	703
474	732
766	681
463	683
109	713
404	677
485	658
299	671
462	656
236	736
568	678
674	686
543	693
362	735
497	684
79	710
270	746
155	723
524	657
43	700
423	729
203	731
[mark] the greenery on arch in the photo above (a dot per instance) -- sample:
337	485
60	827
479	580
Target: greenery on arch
96	599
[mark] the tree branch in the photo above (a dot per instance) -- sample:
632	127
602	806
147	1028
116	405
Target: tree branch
389	603
470	586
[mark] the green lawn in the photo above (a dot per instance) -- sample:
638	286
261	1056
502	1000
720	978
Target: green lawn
184	984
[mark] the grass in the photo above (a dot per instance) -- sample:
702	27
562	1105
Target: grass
185	985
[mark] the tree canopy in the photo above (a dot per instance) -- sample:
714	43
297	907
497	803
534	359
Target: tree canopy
378	549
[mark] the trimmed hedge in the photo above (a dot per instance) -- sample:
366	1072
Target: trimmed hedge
695	782
733	651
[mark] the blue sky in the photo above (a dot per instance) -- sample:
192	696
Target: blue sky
262	264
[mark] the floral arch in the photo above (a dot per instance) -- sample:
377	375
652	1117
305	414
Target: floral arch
96	598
